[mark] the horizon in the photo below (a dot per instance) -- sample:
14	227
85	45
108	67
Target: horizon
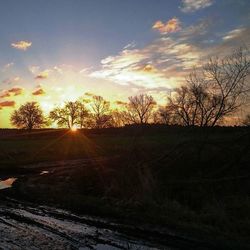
53	52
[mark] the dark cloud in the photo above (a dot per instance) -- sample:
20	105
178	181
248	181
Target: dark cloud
7	104
16	91
39	91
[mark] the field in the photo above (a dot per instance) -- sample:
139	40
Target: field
193	180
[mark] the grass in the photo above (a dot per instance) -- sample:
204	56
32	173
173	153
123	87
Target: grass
196	180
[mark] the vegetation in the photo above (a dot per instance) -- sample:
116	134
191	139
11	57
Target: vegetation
157	174
71	114
212	93
192	175
28	116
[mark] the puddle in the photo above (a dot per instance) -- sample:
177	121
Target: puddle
44	172
7	183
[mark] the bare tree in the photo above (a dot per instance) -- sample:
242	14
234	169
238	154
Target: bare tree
139	108
164	115
215	91
101	110
28	116
118	118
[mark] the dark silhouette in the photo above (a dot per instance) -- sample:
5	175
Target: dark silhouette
101	112
28	116
139	109
71	114
213	92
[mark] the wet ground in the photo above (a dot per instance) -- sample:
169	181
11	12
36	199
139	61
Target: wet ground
23	226
26	225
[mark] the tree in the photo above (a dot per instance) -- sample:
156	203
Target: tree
164	115
28	116
118	118
101	112
71	114
83	114
139	108
213	92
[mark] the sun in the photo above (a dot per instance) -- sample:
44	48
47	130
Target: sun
73	128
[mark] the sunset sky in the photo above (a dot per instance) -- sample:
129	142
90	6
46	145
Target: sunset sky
53	51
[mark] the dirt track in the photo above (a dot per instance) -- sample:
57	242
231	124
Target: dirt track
26	225
23	226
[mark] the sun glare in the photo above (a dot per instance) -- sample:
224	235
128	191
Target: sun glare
73	128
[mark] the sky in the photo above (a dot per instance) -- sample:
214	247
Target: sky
52	51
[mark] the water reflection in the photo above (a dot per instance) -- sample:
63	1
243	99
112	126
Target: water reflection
7	183
44	172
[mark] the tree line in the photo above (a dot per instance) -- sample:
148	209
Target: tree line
212	92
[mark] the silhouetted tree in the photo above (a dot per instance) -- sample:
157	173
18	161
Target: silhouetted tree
28	116
71	114
83	114
101	112
213	92
139	109
118	118
164	115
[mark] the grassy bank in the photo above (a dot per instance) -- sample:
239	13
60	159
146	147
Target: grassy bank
193	179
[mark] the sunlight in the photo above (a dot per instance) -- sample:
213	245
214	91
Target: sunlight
73	128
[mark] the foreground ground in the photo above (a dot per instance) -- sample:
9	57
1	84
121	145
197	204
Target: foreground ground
25	226
193	182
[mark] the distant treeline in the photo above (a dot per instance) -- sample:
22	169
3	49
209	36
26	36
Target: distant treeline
211	95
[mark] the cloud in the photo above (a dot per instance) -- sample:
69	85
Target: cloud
130	45
16	91
42	75
34	69
21	45
38	91
189	6
11	80
7	66
165	62
88	94
159	64
120	103
4	93
233	34
7	104
58	69
10	92
148	68
85	70
173	25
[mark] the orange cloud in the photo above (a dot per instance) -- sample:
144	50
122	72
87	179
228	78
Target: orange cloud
120	103
42	75
149	68
22	45
16	91
39	91
7	104
171	26
4	93
88	94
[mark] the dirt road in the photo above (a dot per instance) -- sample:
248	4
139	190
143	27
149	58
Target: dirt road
23	226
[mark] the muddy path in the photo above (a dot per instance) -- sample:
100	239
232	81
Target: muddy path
25	226
28	225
